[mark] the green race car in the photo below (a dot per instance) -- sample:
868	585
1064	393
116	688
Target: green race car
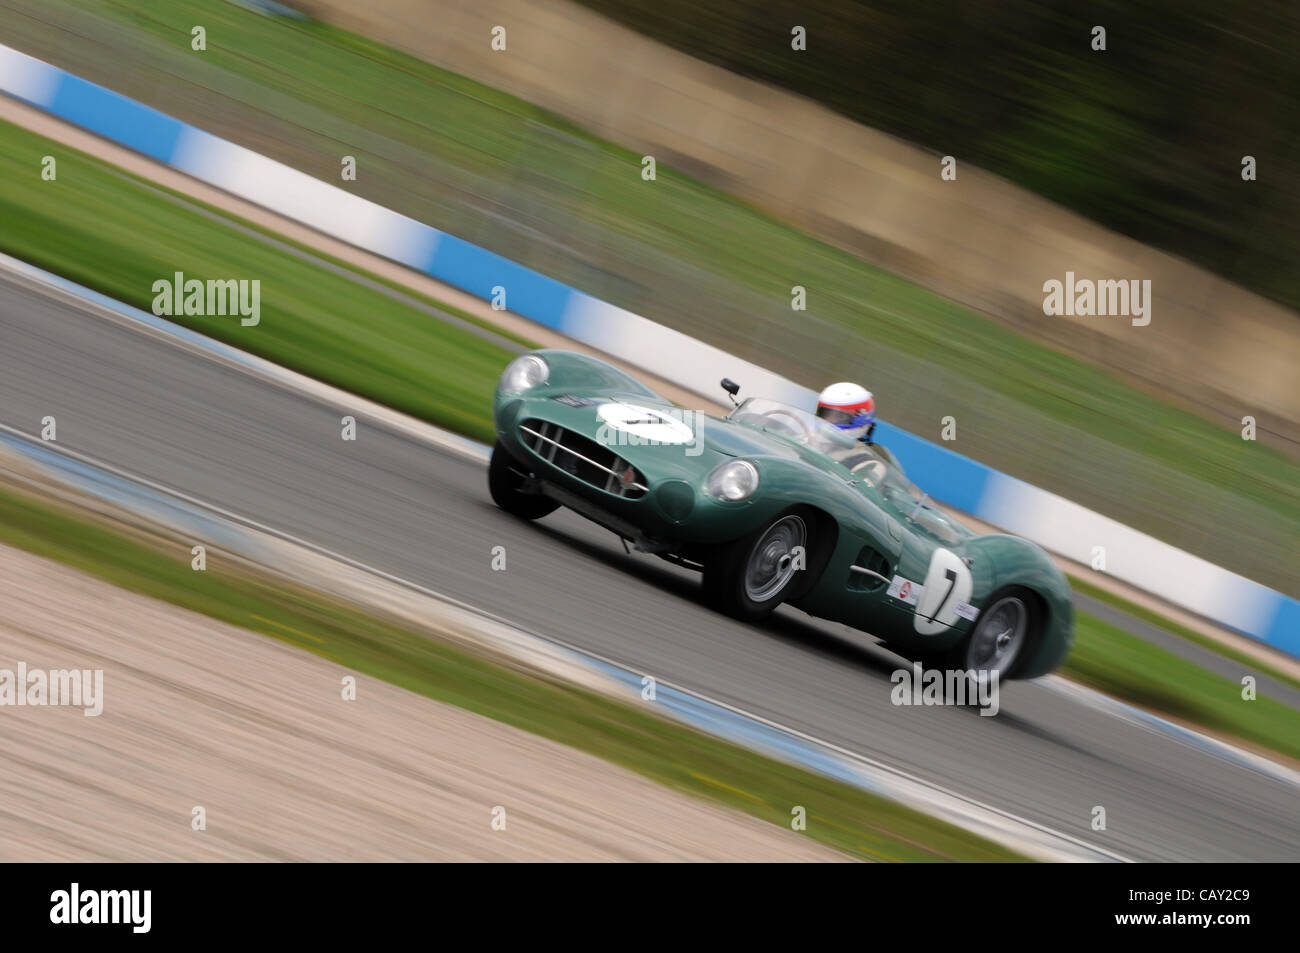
774	505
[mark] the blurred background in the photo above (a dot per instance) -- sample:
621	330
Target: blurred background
1145	137
817	168
820	168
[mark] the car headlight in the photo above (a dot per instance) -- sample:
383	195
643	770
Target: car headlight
734	480
522	373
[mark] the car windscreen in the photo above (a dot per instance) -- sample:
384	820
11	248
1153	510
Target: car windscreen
793	423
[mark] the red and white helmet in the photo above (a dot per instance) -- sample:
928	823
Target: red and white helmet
847	406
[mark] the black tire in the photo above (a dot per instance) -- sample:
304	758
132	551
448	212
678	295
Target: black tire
505	482
749	578
976	650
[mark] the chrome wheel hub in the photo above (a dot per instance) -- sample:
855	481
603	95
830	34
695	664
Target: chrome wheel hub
771	563
999	636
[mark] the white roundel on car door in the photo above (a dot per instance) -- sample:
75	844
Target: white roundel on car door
646	425
948	585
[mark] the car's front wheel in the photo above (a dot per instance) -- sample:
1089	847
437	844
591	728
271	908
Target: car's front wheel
507	480
749	578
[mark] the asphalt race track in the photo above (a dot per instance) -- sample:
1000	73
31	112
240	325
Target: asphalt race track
178	418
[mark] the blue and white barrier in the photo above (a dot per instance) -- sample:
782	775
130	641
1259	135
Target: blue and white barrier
1055	523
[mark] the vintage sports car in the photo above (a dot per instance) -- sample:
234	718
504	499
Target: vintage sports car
774	505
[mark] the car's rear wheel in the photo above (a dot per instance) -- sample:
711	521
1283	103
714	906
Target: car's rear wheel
1002	636
507	479
749	578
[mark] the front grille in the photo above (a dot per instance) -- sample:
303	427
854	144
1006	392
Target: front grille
583	458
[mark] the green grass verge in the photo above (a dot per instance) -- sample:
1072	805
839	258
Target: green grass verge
1191	635
1123	665
516	179
840	816
117	236
276	238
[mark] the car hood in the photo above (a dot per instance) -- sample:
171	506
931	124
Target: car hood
712	438
713	433
739	440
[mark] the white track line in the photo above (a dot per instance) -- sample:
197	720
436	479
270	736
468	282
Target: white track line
143	322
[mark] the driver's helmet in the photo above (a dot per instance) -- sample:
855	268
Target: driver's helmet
847	406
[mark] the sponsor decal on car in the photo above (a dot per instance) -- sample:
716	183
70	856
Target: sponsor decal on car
904	590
